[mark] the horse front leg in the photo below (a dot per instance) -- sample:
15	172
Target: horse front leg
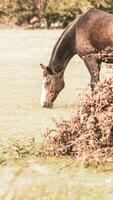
93	66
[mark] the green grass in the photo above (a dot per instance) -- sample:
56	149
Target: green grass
22	117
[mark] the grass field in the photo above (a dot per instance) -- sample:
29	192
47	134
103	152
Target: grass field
22	116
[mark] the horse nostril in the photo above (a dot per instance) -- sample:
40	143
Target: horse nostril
43	106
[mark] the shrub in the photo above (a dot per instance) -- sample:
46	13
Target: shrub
88	136
21	11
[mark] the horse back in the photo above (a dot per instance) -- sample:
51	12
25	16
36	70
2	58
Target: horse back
94	32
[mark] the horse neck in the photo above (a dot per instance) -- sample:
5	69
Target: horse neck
64	50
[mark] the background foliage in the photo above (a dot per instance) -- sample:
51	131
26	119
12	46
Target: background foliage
19	12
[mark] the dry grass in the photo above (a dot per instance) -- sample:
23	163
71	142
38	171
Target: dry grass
49	181
21	117
21	80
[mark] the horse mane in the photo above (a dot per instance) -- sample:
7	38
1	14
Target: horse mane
61	38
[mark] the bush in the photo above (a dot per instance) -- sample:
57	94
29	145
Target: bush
61	11
65	11
21	11
88	136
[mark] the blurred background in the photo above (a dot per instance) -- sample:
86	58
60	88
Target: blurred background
46	13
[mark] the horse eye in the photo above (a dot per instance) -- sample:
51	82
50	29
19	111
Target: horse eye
47	82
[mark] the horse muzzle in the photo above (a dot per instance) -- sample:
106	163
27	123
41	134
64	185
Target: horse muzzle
47	105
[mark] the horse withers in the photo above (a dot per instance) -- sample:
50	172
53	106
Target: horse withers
91	37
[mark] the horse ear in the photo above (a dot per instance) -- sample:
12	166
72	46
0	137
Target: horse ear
49	70
46	68
43	66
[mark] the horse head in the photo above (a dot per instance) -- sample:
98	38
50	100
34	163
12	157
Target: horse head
53	83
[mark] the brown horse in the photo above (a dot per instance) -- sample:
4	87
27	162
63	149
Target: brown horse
91	37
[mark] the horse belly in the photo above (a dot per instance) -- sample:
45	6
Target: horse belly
101	36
